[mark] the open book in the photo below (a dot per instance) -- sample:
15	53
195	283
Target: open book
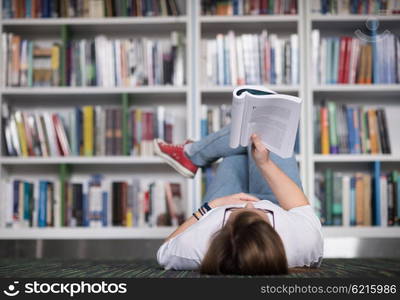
273	117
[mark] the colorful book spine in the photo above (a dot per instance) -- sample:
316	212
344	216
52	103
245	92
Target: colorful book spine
88	130
333	135
42	204
324	130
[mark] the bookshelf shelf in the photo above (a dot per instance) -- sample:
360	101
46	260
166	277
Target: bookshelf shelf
354	158
229	89
357	88
100	160
94	90
249	19
96	21
86	233
163	232
360	232
352	18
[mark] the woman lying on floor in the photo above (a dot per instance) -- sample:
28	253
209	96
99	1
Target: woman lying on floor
235	232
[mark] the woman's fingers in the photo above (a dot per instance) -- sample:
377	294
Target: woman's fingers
247	197
257	142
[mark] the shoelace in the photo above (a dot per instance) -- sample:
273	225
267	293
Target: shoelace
171	146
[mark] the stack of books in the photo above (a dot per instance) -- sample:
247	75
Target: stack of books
358	199
86	131
350	129
88	8
250	59
364	59
93	62
248	7
358	7
95	202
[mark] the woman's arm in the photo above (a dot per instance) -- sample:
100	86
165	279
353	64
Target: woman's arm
287	192
227	200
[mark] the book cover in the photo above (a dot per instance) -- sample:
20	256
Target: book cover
332	120
337	205
328	179
346	189
384	200
324	130
353	220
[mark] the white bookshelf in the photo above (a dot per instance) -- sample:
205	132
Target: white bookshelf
96	160
355	158
333	232
95	90
365	88
86	233
190	97
140	21
368	94
352	18
284	25
250	19
120	166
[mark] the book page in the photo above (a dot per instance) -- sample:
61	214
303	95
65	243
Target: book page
275	119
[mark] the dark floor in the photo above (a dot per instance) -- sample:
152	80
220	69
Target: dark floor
51	268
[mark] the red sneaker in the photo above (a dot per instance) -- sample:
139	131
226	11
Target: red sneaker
175	156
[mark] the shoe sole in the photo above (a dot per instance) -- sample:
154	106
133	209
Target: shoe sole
172	162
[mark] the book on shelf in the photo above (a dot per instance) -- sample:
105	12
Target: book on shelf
372	58
93	62
89	8
85	131
358	198
357	7
273	117
248	7
95	202
265	58
214	117
341	129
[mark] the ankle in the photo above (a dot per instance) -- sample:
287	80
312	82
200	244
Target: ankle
187	149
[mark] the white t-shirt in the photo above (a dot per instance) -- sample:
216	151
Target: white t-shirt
299	229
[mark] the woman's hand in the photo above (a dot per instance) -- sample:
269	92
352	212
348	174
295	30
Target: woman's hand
233	199
259	152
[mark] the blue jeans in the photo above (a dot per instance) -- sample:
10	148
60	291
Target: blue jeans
237	173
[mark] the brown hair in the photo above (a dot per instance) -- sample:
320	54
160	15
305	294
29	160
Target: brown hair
246	245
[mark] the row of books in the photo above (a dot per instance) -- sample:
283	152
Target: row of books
248	7
250	59
93	62
86	131
358	199
214	117
359	7
95	202
363	59
88	8
350	129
